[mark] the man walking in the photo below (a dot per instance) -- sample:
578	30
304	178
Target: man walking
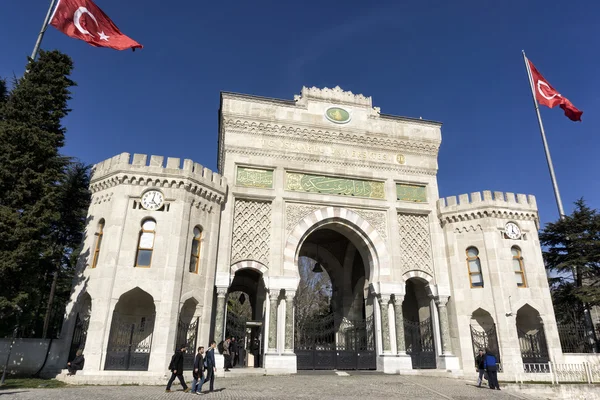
479	366
176	367
211	366
198	372
227	354
492	369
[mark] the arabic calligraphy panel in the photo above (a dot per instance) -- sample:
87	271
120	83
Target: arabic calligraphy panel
414	193
253	177
334	185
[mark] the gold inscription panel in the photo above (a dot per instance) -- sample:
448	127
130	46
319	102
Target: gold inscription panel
300	182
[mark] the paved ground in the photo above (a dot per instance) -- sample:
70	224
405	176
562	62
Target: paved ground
302	386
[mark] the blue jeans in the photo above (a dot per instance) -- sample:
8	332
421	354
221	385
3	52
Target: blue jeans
197	383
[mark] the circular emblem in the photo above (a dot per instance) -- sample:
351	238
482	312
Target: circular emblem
337	115
400	158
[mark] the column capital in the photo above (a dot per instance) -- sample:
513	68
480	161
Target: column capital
398	299
274	294
290	294
384	299
441	301
222	291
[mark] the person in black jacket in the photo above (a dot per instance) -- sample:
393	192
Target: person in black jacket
198	371
235	355
176	367
77	363
479	361
211	366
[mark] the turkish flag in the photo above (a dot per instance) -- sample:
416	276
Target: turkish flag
82	19
549	97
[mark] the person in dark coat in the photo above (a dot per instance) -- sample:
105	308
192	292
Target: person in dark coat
198	372
490	365
227	353
176	367
479	366
235	355
77	363
211	366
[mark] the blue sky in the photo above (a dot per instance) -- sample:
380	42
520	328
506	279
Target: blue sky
456	62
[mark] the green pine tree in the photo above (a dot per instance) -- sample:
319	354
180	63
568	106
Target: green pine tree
31	170
572	255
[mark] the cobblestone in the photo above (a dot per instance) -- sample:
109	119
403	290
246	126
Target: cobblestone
301	386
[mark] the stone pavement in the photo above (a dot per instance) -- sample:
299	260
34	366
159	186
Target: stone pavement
311	386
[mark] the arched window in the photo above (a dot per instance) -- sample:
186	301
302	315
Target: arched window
146	244
195	257
98	244
518	267
474	264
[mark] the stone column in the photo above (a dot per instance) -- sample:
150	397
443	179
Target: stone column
273	298
220	313
400	344
444	325
289	321
384	301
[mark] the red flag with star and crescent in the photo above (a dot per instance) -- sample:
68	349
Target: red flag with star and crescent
82	19
549	97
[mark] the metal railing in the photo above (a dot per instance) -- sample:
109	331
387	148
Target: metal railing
556	373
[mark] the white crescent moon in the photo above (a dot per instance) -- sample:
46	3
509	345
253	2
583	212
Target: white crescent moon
539	88
78	14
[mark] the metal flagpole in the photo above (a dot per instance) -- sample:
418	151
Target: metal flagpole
38	42
561	211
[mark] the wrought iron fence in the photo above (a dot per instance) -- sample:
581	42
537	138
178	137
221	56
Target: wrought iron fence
556	373
576	339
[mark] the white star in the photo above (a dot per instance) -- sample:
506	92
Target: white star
103	36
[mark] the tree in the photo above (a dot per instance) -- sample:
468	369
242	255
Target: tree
31	171
572	256
313	297
67	234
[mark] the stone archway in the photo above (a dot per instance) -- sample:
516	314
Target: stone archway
371	245
532	338
131	332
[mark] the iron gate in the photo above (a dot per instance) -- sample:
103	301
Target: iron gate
420	343
79	335
486	340
533	346
187	333
129	343
335	342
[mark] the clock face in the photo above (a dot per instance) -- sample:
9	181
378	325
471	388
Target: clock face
512	230
152	200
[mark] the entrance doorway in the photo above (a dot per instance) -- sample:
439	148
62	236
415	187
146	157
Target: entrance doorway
418	326
334	322
245	317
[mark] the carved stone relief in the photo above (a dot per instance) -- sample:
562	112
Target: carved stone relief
415	242
294	213
251	231
377	219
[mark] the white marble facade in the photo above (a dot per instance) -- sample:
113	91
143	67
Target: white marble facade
287	169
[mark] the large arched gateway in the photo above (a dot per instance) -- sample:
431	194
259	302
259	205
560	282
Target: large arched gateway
322	243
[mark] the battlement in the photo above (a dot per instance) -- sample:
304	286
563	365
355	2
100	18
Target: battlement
336	95
465	202
141	164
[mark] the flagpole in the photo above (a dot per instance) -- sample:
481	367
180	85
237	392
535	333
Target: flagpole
38	42
561	211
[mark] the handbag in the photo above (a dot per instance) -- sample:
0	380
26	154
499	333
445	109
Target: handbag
485	376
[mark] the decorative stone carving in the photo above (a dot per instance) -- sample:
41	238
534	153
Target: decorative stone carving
384	301
415	242
251	231
400	343
377	219
336	95
300	182
294	213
